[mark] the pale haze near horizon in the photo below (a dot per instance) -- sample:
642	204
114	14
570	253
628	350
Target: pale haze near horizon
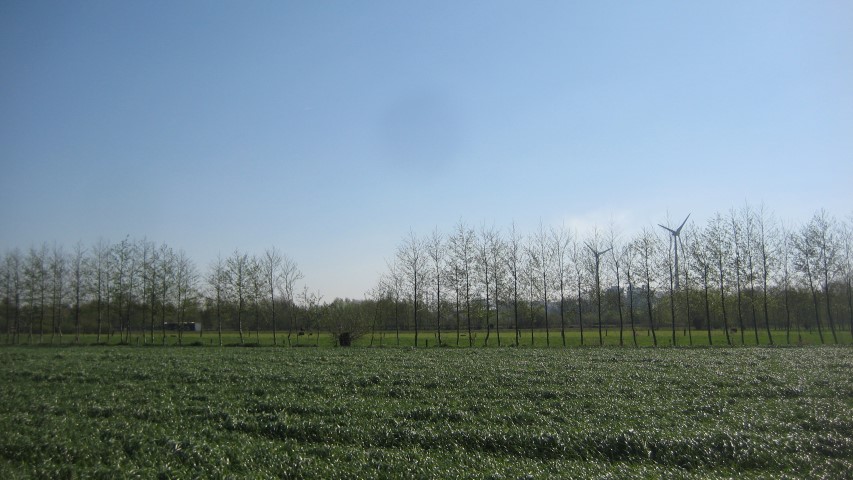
330	130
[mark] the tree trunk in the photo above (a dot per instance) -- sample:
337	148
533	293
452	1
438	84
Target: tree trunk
631	310
739	307
787	316
515	308
672	306
651	315
754	315
545	298
817	314
580	311
829	311
598	300
438	307
497	311
850	303
219	316
619	307
815	302
458	317
397	318
240	317
767	315
415	300
98	311
723	300
468	307
707	304
272	313
562	313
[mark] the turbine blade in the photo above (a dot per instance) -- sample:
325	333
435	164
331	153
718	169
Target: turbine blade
682	225
668	229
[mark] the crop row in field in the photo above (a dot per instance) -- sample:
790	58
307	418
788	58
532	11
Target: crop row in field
107	412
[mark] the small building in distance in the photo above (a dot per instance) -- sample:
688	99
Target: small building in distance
182	326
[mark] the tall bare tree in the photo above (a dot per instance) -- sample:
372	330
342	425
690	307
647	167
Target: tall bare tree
149	284
514	264
497	254
824	230
290	274
6	289
767	250
716	240
847	266
217	283
808	261
457	285
786	277
413	262
437	251
578	259
239	275
617	255
36	284
98	271
186	281
629	258
257	292
533	285
647	246
703	264
121	260
393	284
133	283
687	240
485	272
13	263
58	276
463	249
164	273
750	246
560	242
736	236
544	256
271	271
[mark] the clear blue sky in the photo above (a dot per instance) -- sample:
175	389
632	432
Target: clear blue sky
330	129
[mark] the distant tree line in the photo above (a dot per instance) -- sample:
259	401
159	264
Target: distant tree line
743	272
141	289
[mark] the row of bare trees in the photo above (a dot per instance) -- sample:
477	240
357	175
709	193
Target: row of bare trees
112	289
254	288
137	287
744	272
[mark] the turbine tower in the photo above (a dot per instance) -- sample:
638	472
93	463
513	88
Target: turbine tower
675	237
598	255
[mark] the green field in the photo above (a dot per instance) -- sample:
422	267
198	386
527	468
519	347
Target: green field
113	412
429	338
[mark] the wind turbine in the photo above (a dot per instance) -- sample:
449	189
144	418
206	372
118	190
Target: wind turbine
598	255
675	236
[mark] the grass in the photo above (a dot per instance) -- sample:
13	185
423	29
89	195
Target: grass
429	338
107	412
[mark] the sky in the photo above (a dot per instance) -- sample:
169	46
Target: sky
332	129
